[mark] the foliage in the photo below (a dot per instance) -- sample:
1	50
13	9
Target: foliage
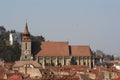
38	38
11	53
36	42
109	57
105	56
7	52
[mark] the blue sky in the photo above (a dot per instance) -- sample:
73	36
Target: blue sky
81	22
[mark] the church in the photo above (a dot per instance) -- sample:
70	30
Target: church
61	53
27	65
55	53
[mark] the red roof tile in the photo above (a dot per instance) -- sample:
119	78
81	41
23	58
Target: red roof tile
15	77
22	63
1	78
118	73
95	71
115	79
80	51
73	78
81	68
54	49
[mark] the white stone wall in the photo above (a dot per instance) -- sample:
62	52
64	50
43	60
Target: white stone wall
61	60
77	60
32	71
67	61
81	60
11	38
54	60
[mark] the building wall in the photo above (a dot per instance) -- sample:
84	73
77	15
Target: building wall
41	60
11	38
81	60
26	45
61	60
14	37
26	51
54	61
67	61
77	60
87	61
32	71
48	60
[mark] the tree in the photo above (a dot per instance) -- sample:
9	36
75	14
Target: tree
7	52
11	53
36	42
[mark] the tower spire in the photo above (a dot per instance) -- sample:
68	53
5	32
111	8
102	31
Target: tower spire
26	31
26	45
26	34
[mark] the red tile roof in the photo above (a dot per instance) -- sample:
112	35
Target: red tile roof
1	78
80	51
81	68
95	71
54	49
26	76
115	79
2	72
22	63
15	77
73	78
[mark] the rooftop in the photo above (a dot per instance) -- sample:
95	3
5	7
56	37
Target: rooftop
80	51
54	49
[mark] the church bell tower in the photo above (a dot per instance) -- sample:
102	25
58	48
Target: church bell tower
26	45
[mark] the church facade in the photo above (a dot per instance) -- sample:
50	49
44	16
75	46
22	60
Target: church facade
61	53
56	53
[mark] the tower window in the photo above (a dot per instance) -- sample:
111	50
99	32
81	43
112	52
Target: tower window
25	45
25	57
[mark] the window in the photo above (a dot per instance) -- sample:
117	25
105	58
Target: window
25	57
84	63
25	45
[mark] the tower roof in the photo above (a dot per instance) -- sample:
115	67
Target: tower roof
26	31
26	34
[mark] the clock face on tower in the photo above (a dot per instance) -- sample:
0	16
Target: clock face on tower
26	52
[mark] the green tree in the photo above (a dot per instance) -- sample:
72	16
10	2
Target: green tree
7	52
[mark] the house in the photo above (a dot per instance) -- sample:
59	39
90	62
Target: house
28	67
